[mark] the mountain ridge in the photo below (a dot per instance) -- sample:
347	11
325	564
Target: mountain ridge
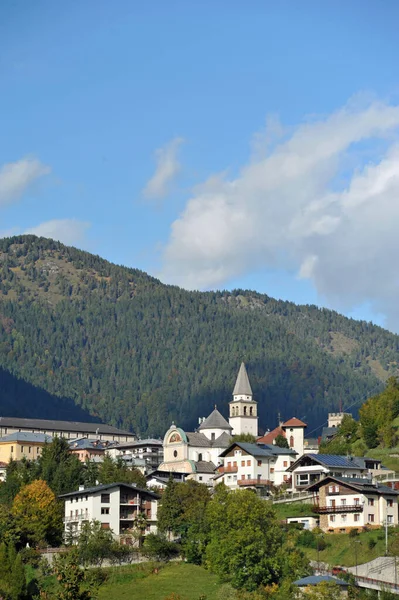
170	353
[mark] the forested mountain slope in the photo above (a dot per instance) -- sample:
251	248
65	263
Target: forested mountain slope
139	354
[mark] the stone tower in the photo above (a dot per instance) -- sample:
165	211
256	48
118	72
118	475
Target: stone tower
243	409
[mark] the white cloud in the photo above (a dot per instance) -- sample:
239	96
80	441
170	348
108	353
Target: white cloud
289	209
167	168
67	231
16	177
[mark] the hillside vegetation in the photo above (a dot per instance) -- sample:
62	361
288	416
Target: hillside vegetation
138	354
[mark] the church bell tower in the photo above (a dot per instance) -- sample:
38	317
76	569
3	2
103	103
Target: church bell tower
243	409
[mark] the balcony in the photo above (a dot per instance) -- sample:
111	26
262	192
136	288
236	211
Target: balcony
253	482
132	500
340	508
75	518
228	469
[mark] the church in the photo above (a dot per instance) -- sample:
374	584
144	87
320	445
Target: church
197	453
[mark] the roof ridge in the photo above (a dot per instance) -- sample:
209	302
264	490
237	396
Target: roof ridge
242	386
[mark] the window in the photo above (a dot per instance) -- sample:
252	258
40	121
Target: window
356	517
30	449
242	477
248	463
245	410
285	463
285	477
371	502
332	518
235	463
12	448
356	501
343	517
104	525
259	463
371	518
390	503
175	453
243	463
105	511
250	411
333	489
291	441
389	519
200	478
248	476
212	438
22	448
229	464
200	456
104	498
343	502
271	469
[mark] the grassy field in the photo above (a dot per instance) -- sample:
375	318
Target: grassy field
138	582
341	549
293	509
388	456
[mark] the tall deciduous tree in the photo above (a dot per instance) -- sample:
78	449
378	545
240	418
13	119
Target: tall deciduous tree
245	540
38	514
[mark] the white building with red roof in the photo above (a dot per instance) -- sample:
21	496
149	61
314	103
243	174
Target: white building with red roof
292	430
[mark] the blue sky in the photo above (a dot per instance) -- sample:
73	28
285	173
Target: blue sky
213	144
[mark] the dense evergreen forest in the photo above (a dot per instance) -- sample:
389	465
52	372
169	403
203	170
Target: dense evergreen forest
138	354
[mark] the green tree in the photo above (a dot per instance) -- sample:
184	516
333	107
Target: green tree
244	437
281	441
112	471
244	539
169	511
95	544
12	574
37	514
157	547
74	583
62	470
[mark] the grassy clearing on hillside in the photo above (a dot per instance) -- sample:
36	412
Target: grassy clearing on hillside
388	456
293	509
138	582
341	550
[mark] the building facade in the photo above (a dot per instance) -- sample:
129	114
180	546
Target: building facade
292	430
86	449
117	506
16	446
67	429
311	468
345	503
146	454
248	465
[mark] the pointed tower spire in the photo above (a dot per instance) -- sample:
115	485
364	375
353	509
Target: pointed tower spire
242	386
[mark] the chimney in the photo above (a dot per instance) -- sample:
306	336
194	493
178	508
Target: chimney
81	488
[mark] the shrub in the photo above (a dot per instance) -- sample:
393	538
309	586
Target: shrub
371	543
353	533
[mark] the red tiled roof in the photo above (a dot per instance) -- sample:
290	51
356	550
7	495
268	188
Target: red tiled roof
269	438
294	422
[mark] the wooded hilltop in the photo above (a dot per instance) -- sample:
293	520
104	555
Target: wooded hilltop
87	339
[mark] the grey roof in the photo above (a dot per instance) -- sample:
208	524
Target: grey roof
26	436
215	421
335	461
86	444
316	579
242	386
107	486
204	466
260	449
328	433
61	425
361	485
198	439
223	441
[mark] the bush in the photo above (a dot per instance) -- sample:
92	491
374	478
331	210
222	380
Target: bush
310	539
371	543
353	533
157	547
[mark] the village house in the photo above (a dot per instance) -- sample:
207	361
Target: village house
145	454
86	449
247	465
16	446
117	506
292	430
345	503
307	584
310	468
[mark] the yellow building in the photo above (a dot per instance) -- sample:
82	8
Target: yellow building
22	444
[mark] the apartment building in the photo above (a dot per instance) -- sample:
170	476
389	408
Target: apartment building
117	506
345	503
